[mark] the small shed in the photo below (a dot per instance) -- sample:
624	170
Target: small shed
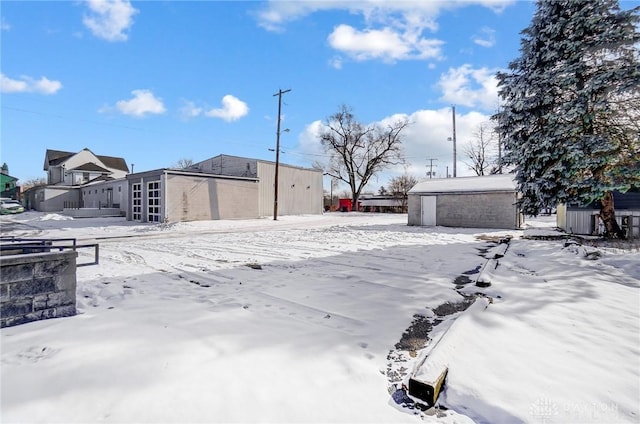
585	220
472	202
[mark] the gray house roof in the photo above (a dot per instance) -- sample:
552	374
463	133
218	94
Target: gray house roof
56	157
482	184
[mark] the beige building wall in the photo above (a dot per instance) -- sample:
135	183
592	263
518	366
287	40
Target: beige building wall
50	198
194	198
299	190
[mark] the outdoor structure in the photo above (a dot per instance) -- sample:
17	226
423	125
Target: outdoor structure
74	169
223	187
8	184
584	220
37	286
471	202
81	180
345	205
383	203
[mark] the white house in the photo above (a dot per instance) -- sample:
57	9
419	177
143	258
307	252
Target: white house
80	180
73	169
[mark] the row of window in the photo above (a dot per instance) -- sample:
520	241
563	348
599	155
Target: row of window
153	201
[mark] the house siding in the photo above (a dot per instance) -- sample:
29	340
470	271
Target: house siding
587	222
584	220
96	195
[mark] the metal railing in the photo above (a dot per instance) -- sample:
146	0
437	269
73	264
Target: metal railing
11	245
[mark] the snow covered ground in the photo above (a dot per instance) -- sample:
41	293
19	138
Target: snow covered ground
297	320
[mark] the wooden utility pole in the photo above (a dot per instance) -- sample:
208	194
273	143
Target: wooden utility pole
275	190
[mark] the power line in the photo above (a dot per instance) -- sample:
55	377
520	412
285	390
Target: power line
71	118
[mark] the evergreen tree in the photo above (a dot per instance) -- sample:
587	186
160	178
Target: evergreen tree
570	111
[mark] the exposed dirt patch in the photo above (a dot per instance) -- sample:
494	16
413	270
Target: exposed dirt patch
451	308
417	335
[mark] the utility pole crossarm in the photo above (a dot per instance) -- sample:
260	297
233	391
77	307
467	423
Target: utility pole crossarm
431	166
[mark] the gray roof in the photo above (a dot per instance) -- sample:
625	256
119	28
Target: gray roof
485	183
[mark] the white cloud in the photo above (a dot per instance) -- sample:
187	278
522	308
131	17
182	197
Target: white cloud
46	86
386	44
309	142
110	19
190	110
470	87
275	14
486	37
29	85
143	102
428	137
336	62
431	137
391	30
232	109
4	25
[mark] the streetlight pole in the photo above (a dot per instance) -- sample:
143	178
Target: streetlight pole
275	190
453	114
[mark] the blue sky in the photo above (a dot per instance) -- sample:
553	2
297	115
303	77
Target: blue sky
158	81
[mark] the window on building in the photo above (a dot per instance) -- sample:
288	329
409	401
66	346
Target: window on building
136	193
153	201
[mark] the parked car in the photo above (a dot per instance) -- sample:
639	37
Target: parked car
8	206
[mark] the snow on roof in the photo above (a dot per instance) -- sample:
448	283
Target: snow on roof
503	182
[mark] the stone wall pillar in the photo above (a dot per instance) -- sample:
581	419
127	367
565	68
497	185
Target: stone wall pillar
37	286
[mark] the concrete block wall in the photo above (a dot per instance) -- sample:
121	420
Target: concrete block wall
477	210
37	286
415	213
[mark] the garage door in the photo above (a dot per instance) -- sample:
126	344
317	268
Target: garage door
428	210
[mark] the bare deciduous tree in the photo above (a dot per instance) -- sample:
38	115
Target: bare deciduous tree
358	152
481	151
183	163
33	182
399	187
